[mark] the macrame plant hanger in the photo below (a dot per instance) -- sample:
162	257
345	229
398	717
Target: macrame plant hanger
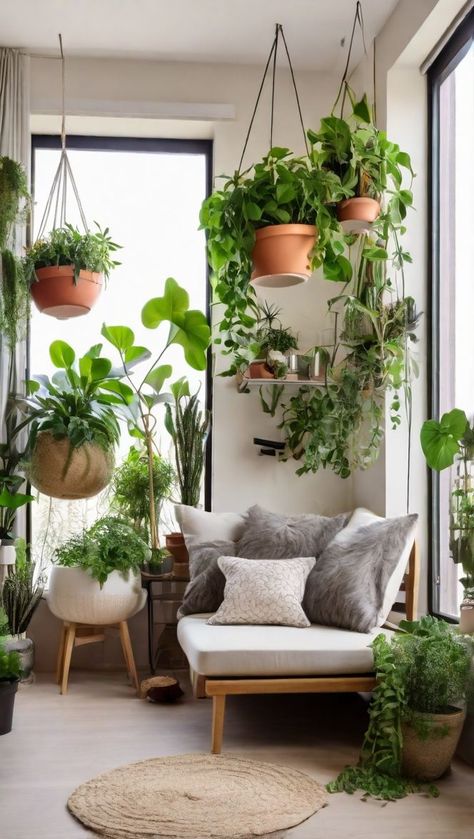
56	203
344	85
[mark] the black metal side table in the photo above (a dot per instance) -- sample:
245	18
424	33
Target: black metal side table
165	648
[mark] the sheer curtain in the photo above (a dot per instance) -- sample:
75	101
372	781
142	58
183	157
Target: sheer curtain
14	143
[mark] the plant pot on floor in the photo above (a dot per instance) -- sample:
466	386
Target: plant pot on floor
8	690
357	214
56	293
25	647
429	743
281	255
75	596
58	472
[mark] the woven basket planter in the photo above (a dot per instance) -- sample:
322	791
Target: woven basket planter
88	471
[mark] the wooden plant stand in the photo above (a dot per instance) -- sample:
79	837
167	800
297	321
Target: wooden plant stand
78	634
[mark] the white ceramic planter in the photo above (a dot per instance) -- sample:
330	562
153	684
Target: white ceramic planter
75	596
7	553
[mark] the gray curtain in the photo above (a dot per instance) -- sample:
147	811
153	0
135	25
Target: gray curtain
15	143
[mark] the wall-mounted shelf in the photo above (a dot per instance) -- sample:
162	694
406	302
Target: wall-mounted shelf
243	382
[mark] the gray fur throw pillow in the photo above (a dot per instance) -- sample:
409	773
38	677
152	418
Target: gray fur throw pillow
273	536
205	591
346	587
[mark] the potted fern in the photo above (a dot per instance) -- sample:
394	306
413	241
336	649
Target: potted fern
188	427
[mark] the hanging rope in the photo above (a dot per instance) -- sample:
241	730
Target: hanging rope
56	202
272	58
358	19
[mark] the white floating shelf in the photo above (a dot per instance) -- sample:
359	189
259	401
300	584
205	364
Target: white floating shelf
243	382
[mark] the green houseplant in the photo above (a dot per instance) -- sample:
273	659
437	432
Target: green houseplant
21	595
130	486
446	442
188	328
422	672
72	421
10	669
65	269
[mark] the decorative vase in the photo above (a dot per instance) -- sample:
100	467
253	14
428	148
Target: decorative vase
55	293
281	255
260	370
60	473
357	214
428	756
8	690
25	647
75	596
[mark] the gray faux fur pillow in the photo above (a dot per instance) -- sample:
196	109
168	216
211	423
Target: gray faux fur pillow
273	536
346	587
205	591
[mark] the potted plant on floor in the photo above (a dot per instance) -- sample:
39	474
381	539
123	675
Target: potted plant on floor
21	596
131	489
73	423
95	579
188	427
416	712
10	669
66	270
444	443
188	328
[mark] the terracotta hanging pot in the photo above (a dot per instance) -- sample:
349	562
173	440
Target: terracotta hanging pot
58	472
55	293
281	255
357	214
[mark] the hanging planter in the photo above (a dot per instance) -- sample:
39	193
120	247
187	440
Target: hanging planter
281	255
66	268
60	471
358	214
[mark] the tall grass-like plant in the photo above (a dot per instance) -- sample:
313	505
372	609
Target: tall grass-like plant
188	427
21	593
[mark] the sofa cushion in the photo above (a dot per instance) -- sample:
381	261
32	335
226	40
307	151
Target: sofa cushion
205	590
198	526
274	650
274	536
346	588
263	591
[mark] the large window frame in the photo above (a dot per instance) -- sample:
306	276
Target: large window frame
155	146
448	59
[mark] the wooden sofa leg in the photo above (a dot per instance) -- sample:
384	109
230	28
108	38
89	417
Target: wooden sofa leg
218	711
198	684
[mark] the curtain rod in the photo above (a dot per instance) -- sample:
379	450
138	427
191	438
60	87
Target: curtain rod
433	55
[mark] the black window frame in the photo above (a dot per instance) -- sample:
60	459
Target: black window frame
448	59
158	145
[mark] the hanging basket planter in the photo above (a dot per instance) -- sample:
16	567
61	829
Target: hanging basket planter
281	255
60	471
56	292
358	214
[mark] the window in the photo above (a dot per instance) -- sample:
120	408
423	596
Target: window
148	192
451	102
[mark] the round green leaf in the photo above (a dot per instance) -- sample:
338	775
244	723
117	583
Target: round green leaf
121	337
61	354
440	440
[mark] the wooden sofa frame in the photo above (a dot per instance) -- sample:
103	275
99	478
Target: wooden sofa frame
219	688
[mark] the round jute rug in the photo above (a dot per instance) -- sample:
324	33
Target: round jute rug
196	796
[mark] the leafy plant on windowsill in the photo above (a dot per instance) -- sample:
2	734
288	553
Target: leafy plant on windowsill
90	251
188	328
130	488
424	668
111	544
444	442
281	189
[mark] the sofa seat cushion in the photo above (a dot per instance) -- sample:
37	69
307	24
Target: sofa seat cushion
274	650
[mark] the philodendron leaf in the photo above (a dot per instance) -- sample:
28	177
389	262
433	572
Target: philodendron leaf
440	440
194	335
134	355
61	354
121	337
362	110
158	376
15	500
170	307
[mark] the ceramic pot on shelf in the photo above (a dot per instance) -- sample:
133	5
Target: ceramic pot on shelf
57	472
260	370
56	293
281	255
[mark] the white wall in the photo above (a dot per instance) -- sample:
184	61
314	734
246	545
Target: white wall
98	88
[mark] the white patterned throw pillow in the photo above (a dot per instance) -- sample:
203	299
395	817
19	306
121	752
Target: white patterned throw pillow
263	591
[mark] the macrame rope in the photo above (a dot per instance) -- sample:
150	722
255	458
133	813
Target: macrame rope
273	57
56	202
358	19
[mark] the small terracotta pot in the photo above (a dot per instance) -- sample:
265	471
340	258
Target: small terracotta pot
56	294
281	254
361	211
176	546
259	370
426	759
90	468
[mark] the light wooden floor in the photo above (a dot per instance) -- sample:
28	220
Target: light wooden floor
60	741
